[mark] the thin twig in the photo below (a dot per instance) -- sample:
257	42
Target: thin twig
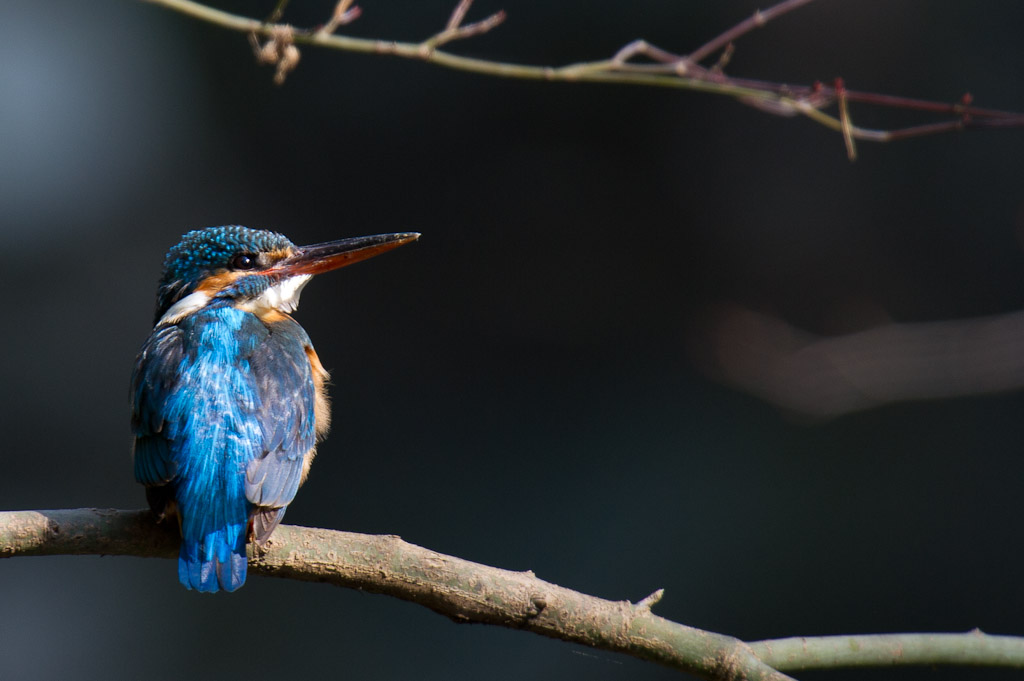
344	14
665	61
759	19
278	12
724	58
667	70
458	14
642	47
844	120
456	30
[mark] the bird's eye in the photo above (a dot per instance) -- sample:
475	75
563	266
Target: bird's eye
243	261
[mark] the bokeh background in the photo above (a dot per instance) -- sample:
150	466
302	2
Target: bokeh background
520	388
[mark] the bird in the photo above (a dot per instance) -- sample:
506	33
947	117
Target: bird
228	396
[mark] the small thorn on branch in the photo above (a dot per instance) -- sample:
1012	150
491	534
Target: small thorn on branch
650	601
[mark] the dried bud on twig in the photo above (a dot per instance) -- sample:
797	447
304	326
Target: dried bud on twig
279	49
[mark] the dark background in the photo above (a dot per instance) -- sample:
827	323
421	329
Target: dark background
516	388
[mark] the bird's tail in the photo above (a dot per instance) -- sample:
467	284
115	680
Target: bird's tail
215	563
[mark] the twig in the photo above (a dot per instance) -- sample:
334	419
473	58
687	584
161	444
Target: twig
458	14
455	30
844	120
724	59
665	61
759	19
667	70
278	12
470	592
344	13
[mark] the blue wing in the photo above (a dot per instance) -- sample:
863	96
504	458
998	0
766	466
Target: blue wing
281	368
223	413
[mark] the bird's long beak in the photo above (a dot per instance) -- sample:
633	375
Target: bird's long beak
320	258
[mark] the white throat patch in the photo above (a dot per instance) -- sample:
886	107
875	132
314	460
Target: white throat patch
282	296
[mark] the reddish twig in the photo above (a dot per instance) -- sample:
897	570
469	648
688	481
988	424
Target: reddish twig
458	14
759	19
344	13
456	30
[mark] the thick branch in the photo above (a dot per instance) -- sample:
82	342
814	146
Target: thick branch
456	588
470	592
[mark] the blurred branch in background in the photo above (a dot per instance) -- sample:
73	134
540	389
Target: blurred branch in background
823	376
658	68
470	592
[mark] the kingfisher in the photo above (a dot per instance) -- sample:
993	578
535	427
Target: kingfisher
228	397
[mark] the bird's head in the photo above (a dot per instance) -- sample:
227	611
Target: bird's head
252	269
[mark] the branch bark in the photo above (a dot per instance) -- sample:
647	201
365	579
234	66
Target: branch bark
469	592
459	589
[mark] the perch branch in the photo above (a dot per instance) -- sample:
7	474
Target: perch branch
665	69
459	589
470	592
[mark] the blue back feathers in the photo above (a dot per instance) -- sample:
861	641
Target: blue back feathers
223	413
